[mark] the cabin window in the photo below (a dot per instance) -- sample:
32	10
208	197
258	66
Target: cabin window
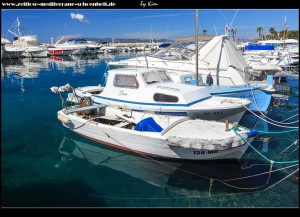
127	81
158	97
163	76
151	77
156	77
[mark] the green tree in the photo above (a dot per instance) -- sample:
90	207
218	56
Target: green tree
204	31
273	32
293	34
259	30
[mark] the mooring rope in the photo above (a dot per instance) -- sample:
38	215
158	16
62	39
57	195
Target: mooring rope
268	121
294	143
281	180
267	159
209	178
255	104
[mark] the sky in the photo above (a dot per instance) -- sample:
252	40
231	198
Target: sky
144	23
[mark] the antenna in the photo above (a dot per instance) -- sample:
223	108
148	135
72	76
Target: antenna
168	34
284	36
151	33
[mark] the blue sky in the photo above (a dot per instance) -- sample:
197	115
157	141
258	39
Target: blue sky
139	23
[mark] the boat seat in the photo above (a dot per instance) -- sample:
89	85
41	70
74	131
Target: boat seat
122	124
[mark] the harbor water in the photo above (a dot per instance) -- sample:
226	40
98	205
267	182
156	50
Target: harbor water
46	165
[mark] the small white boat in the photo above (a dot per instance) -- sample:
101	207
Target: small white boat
153	135
153	90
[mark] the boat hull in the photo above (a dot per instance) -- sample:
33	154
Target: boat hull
60	52
201	110
35	52
153	143
174	153
260	100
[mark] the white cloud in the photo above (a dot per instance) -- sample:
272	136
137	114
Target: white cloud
79	17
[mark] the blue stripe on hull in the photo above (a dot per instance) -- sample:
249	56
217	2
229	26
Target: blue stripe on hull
261	98
152	104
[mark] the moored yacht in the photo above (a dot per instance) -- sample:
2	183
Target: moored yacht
153	90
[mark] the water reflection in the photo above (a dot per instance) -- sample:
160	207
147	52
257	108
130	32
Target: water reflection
30	68
191	179
24	68
77	63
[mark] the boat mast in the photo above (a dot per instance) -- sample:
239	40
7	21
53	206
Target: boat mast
18	28
19	24
196	47
284	31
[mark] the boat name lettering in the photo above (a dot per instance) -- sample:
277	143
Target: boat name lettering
208	152
122	93
245	96
212	113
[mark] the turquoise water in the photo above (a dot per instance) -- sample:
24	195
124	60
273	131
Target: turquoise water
45	165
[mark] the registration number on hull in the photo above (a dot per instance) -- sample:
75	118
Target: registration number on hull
205	152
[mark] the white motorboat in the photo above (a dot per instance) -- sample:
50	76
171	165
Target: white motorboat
218	56
72	46
25	45
153	90
163	136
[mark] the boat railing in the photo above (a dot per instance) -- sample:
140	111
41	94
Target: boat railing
174	124
86	108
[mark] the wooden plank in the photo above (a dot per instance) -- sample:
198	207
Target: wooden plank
122	124
69	111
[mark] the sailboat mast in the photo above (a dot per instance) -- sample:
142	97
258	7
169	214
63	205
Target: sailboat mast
284	31
18	24
196	47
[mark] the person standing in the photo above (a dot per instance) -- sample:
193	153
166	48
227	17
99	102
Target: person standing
209	79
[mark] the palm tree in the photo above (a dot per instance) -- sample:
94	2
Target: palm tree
273	32
204	31
259	30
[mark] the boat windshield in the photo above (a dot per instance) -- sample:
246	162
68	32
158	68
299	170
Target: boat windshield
32	43
178	50
159	76
77	41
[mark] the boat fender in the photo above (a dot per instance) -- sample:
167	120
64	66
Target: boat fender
64	119
252	133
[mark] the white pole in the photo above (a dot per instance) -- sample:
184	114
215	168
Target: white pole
196	46
215	30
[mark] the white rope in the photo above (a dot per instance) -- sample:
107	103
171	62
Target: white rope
244	177
289	146
268	117
281	180
233	18
269	121
295	149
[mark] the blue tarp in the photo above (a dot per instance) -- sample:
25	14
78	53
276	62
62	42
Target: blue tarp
259	47
148	124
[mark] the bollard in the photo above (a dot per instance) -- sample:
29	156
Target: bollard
227	125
